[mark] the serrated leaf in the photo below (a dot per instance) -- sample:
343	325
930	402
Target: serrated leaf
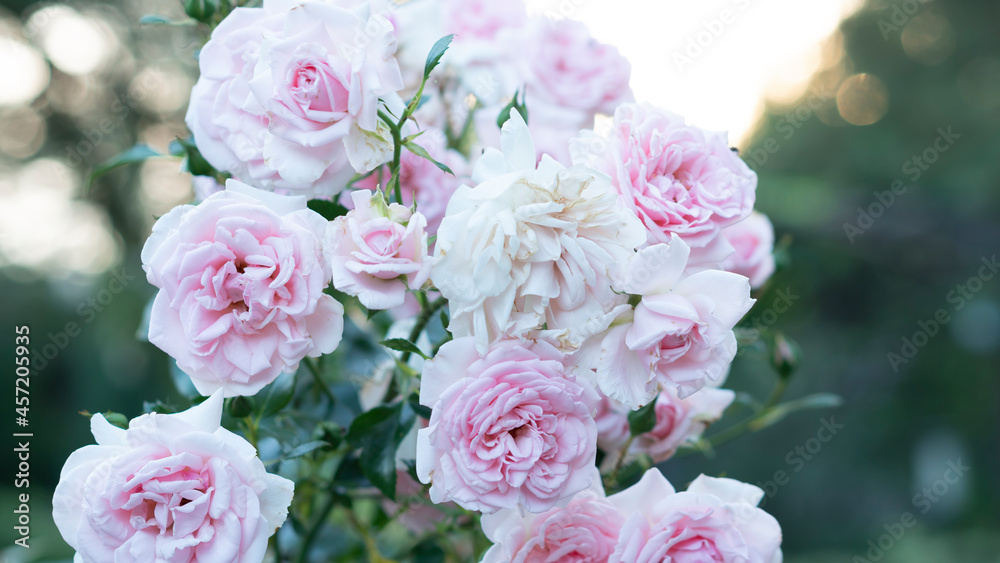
422	153
378	433
437	51
136	154
328	209
642	420
810	402
403	345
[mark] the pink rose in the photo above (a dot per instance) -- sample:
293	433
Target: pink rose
421	180
714	520
509	429
288	95
584	531
482	19
753	239
680	334
678	422
566	68
376	251
175	488
569	78
241	280
677	178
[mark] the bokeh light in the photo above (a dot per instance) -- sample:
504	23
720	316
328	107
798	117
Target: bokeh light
75	43
862	99
19	59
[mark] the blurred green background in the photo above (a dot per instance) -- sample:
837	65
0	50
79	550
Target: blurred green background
907	98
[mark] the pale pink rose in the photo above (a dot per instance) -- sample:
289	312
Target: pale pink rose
532	245
175	488
288	95
482	19
680	334
678	422
677	178
421	180
568	76
714	520
241	278
377	251
583	531
753	241
510	429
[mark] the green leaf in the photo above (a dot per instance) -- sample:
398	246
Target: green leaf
428	551
520	106
420	410
240	407
642	420
378	433
276	395
330	210
403	345
194	162
156	19
116	419
138	153
810	402
437	51
422	153
303	449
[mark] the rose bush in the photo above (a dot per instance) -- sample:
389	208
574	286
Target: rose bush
575	323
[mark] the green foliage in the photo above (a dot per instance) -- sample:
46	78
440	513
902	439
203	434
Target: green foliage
134	155
378	433
642	420
330	210
403	345
520	105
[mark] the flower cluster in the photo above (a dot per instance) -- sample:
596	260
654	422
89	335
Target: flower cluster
555	279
